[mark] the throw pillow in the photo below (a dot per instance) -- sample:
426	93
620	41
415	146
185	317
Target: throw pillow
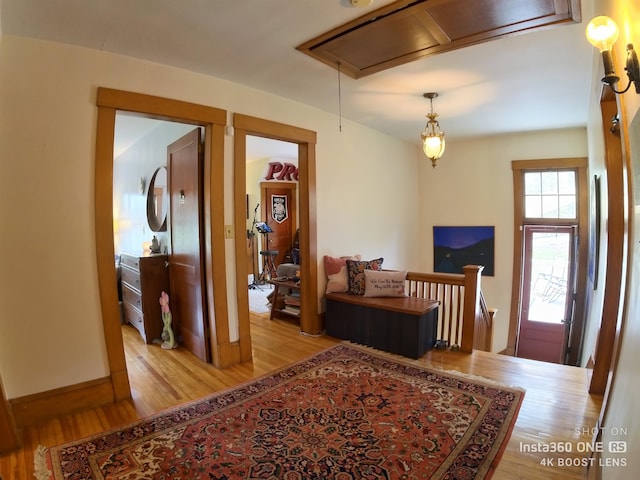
335	269
355	271
384	283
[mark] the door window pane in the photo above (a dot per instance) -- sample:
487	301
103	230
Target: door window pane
549	183
567	206
532	183
533	207
550	194
550	256
567	183
549	206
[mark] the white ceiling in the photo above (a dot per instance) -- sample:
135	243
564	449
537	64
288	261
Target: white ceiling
532	81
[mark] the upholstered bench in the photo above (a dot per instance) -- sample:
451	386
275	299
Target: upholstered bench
403	325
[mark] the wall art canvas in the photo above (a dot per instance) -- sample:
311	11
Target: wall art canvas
455	247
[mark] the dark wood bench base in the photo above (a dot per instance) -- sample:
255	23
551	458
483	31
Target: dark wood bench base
401	325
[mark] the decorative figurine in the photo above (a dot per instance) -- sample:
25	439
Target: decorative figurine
155	245
169	341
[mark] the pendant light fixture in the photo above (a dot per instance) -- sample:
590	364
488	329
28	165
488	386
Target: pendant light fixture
432	139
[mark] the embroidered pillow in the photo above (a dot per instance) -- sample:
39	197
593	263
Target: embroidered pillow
355	272
384	283
335	269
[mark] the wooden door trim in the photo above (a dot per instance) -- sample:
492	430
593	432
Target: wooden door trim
580	164
608	342
109	101
244	125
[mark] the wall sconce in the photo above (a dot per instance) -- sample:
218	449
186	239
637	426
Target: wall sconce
432	141
602	33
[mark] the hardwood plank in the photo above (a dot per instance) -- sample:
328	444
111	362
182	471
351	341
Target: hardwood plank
556	407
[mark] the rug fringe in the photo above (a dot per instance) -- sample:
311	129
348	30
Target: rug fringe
40	469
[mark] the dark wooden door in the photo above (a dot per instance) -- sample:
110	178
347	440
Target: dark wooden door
547	292
279	212
186	271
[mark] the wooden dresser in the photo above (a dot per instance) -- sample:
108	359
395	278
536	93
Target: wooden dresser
143	280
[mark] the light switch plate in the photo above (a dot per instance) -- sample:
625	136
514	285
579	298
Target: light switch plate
228	231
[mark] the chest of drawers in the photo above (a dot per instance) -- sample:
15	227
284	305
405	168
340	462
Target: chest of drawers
143	280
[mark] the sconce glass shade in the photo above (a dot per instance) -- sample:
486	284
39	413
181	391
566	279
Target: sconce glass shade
602	33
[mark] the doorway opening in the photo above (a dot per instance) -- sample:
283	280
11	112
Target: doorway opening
549	296
269	162
213	121
305	141
156	237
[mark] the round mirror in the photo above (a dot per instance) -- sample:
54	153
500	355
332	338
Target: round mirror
158	201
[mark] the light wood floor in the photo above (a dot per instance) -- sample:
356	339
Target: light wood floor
556	406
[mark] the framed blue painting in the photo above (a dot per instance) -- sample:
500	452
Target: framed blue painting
455	247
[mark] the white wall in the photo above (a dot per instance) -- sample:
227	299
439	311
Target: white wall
367	197
473	185
50	315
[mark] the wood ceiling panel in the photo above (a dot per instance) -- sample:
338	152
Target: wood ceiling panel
494	17
380	42
404	31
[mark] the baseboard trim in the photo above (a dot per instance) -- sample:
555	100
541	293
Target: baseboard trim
42	406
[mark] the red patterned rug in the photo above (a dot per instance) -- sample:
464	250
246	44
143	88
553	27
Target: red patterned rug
345	413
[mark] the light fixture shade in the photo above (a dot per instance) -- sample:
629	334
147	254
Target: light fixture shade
602	33
432	137
433	145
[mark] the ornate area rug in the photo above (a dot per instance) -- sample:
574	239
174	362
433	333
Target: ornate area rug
345	413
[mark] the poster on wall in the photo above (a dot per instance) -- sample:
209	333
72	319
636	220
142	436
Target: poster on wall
279	208
455	247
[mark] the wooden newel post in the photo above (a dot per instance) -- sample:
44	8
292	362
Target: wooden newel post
472	281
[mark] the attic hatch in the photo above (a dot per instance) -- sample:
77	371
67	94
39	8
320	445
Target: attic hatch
406	30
